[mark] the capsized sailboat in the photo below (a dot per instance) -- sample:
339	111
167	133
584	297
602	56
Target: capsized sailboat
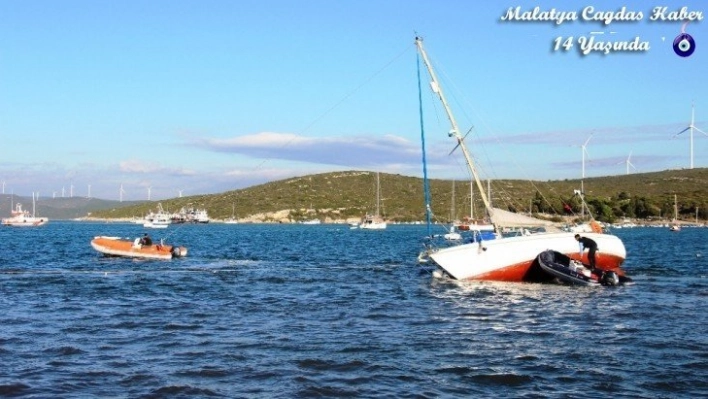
512	258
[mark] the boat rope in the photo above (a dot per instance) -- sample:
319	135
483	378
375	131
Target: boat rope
429	215
309	126
465	104
502	194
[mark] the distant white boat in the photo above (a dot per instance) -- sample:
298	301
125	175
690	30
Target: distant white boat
232	219
22	218
371	222
312	221
156	224
200	216
453	235
674	223
191	215
375	221
158	220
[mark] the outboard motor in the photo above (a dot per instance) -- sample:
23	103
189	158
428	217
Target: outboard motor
609	278
176	252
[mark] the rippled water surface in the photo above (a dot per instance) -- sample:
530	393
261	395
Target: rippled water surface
324	311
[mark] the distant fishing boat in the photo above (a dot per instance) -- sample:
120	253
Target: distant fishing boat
22	218
158	220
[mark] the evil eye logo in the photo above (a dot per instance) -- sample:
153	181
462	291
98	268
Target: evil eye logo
684	45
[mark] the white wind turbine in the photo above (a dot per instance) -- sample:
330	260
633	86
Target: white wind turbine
690	129
628	163
584	152
149	191
121	192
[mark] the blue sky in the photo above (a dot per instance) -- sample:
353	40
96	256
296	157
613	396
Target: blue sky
194	97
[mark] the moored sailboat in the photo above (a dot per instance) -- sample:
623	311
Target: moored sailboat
512	258
674	223
375	221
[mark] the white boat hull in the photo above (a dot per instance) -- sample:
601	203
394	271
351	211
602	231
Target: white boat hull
510	259
31	222
22	218
151	225
373	226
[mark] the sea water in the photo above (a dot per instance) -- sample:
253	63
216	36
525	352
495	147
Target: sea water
289	311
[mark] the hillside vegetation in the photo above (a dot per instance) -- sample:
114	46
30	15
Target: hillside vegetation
340	196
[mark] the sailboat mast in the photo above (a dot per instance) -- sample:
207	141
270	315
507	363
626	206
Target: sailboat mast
471	202
452	207
426	183
455	132
378	194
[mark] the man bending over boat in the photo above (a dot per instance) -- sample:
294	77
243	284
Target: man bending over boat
146	240
590	245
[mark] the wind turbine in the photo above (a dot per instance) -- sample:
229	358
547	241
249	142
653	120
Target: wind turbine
121	192
628	163
584	151
149	190
690	129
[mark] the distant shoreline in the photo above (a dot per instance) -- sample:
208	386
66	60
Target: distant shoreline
624	224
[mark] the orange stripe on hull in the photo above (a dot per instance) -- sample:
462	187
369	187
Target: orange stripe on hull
529	271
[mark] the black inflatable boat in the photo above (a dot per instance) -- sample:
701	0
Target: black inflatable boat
572	272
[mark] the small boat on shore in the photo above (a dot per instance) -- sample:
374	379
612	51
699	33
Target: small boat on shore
125	247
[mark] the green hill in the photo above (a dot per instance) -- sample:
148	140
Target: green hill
349	195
